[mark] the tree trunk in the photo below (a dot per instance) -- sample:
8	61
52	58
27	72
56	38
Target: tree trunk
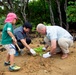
23	7
59	11
51	13
11	5
65	7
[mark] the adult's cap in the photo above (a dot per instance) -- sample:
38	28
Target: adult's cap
10	17
27	25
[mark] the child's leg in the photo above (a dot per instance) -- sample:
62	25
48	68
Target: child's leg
7	62
12	60
10	53
7	57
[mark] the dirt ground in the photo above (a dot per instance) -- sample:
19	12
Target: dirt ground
37	65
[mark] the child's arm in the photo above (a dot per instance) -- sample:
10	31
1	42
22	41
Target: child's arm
12	36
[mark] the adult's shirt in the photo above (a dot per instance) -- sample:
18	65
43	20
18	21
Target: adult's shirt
19	33
6	39
56	32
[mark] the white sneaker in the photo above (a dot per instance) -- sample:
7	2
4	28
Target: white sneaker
32	51
46	55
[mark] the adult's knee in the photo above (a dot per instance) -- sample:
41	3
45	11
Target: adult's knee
28	41
63	43
47	41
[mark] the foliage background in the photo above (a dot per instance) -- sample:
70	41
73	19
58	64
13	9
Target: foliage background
37	11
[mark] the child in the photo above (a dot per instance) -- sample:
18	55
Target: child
8	39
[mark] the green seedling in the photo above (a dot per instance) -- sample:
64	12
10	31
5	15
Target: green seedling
39	50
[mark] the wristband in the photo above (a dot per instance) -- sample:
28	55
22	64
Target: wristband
12	38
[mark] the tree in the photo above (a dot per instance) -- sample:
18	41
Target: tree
70	13
51	13
65	8
16	6
59	11
39	11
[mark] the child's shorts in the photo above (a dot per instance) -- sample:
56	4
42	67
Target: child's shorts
10	48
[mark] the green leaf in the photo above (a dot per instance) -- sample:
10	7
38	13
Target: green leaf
39	50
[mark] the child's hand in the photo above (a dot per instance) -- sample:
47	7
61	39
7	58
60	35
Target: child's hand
14	40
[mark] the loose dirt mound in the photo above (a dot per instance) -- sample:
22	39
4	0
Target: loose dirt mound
37	65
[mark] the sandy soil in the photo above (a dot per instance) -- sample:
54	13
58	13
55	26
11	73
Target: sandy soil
37	65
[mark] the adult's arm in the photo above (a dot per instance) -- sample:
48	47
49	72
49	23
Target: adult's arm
53	46
25	44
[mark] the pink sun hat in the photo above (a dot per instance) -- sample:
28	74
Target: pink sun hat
10	17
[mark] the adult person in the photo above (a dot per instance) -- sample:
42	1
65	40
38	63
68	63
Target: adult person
22	38
56	37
